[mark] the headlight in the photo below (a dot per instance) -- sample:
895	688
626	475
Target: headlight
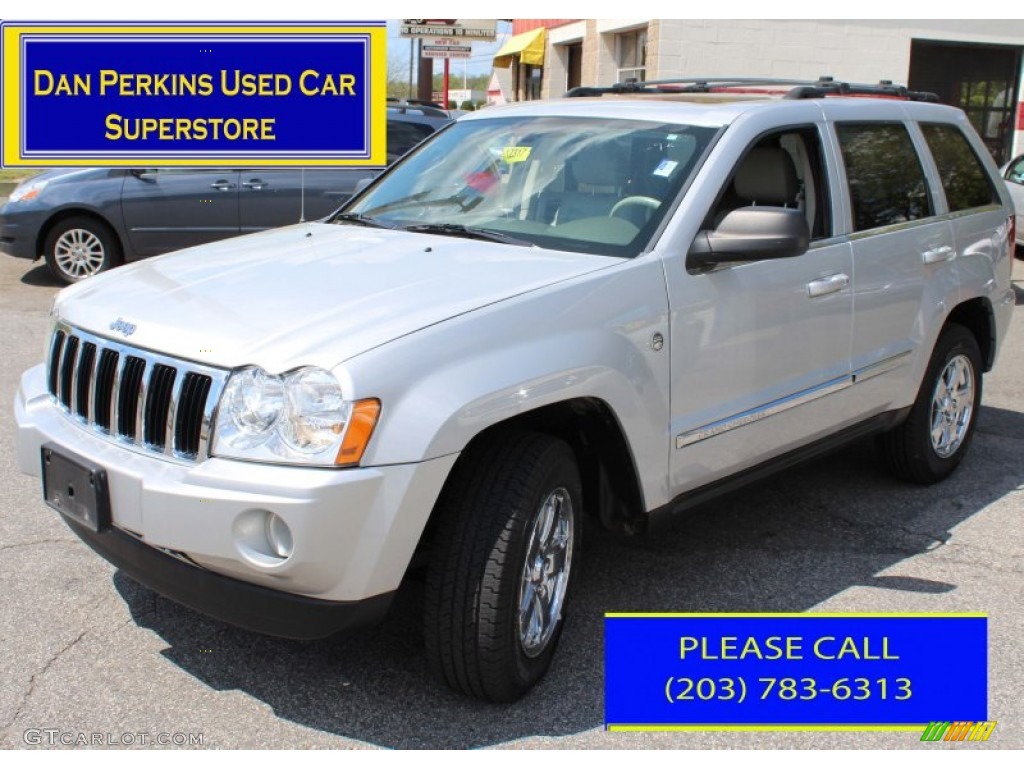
301	417
28	191
253	402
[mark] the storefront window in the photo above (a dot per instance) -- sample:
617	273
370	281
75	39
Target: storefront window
632	55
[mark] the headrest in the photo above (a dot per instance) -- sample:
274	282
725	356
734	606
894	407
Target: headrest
599	165
767	177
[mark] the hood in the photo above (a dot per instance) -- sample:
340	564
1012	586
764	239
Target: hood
309	294
62	175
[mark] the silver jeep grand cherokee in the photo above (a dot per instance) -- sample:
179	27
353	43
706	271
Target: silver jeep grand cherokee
611	307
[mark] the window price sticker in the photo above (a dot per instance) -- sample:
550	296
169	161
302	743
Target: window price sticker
888	671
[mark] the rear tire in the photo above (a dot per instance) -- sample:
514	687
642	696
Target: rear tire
505	553
933	440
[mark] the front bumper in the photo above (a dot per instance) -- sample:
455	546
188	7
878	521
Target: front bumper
19	229
245	605
354	530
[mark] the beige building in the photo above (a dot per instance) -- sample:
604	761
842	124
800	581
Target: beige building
973	64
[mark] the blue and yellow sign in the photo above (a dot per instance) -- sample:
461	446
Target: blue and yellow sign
195	95
794	671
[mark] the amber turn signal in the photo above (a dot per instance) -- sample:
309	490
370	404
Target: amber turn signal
360	428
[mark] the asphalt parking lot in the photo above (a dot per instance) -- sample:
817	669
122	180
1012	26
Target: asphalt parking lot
85	650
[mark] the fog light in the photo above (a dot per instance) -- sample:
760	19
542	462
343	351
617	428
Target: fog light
279	536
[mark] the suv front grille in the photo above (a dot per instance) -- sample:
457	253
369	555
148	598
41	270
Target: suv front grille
157	404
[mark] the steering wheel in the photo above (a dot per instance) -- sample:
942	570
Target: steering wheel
647	206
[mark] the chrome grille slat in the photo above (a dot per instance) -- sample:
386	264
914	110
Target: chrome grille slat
76	364
146	402
206	425
170	427
91	394
115	393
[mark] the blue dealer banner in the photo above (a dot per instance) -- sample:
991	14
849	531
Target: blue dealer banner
794	669
184	94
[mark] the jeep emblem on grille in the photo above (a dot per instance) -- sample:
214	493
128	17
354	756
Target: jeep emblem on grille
123	326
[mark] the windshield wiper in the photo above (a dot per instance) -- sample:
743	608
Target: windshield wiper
360	218
459	230
465	202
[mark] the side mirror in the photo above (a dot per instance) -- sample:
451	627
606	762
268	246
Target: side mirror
144	174
750	234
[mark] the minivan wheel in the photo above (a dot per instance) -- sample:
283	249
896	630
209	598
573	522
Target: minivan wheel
80	247
505	554
929	445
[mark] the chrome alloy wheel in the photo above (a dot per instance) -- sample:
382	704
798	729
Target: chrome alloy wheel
952	406
79	253
545	572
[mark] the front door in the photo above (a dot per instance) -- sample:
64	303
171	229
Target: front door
761	351
169	208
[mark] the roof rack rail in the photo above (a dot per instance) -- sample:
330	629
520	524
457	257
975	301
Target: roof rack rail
799	89
425	108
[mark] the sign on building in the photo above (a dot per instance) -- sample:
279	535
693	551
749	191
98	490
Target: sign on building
463	29
447	48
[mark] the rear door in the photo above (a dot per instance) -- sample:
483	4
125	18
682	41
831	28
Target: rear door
974	205
904	254
170	208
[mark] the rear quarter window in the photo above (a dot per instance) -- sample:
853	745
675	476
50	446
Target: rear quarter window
404	136
887	183
964	178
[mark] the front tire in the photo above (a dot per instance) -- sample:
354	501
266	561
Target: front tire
932	442
79	247
505	553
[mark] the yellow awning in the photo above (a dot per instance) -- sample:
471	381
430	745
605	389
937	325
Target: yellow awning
528	45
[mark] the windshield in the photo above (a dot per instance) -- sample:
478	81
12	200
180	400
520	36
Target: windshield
569	183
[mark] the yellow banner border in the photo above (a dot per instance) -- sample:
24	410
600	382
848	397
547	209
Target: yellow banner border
755	728
10	129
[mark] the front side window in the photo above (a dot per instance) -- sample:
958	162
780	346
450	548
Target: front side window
785	169
581	184
964	178
886	181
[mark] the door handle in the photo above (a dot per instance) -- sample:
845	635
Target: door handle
256	184
935	255
827	285
222	186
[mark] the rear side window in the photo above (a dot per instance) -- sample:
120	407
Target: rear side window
964	178
887	182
